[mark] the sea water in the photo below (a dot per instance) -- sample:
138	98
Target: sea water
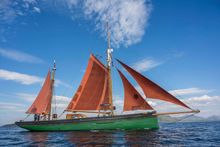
170	134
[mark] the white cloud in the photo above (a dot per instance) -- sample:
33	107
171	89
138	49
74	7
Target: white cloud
19	77
62	99
19	56
60	106
26	96
30	1
119	103
10	106
204	99
71	3
59	82
189	91
36	9
145	65
127	19
11	9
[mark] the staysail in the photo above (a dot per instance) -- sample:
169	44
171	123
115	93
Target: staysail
151	89
42	103
93	90
132	98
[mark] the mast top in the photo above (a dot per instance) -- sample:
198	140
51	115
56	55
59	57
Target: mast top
109	49
109	35
54	64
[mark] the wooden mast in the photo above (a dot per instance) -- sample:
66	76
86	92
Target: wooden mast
109	62
52	87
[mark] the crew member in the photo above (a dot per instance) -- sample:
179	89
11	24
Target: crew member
35	117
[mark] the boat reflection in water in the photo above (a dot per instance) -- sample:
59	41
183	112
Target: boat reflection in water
112	138
84	138
37	138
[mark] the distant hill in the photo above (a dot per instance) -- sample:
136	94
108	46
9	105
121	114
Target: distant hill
8	126
188	119
214	118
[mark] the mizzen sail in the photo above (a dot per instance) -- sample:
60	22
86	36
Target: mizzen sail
93	89
151	89
42	103
132	98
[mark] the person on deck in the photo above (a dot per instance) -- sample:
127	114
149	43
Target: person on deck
38	117
44	116
35	117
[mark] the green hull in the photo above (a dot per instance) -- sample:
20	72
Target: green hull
123	122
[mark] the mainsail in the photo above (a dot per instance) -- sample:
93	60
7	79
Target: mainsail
93	90
132	98
151	89
42	103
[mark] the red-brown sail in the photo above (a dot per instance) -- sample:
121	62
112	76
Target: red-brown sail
42	103
132	98
93	89
151	89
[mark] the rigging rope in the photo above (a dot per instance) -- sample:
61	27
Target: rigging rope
183	118
61	114
26	117
190	105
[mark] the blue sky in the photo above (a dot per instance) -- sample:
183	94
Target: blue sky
174	43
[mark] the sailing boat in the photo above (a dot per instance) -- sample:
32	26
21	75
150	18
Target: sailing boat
94	95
